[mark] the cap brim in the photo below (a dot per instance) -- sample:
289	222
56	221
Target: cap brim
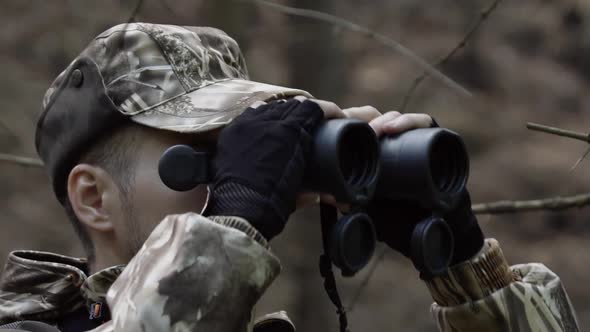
212	106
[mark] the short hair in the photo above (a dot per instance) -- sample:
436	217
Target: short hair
116	154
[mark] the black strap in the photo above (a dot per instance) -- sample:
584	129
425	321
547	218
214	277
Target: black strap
329	216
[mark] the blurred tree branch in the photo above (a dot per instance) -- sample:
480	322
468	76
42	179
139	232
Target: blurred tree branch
133	17
482	18
23	161
559	132
382	39
553	203
3	126
564	133
6	129
167	6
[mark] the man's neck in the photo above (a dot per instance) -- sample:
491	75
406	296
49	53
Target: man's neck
101	262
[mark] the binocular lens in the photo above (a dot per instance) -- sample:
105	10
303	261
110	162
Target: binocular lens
358	157
432	246
448	164
352	242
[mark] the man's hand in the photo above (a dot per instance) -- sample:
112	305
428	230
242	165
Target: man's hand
261	157
390	123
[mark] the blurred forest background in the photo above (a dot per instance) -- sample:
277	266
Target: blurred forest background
529	61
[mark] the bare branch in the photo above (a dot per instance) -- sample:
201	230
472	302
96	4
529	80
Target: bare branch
482	17
579	161
553	203
6	129
3	126
559	132
23	161
365	281
384	40
133	17
166	5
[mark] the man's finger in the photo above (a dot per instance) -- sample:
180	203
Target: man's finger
407	122
365	113
378	123
331	110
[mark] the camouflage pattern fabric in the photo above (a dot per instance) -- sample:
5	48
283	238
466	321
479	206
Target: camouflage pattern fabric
192	274
184	79
44	286
206	274
94	289
534	301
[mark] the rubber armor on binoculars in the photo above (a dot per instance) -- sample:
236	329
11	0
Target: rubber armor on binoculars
427	166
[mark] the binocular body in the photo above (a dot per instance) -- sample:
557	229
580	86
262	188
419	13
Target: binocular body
428	166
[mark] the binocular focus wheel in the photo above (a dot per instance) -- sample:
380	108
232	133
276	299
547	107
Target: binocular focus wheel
352	243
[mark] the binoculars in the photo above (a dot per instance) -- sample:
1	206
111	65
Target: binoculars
428	167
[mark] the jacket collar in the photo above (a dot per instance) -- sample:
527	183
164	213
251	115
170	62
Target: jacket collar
45	286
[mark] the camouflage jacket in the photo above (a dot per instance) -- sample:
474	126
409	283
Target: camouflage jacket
167	287
485	294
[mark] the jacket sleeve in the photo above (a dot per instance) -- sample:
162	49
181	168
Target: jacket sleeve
486	295
193	274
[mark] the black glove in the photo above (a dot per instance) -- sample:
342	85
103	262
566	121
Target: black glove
261	157
467	234
395	221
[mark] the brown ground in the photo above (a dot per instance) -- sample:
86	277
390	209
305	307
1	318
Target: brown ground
528	62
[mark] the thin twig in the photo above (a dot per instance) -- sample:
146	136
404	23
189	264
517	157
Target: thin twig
559	132
23	161
366	279
384	40
579	161
552	203
133	16
6	129
482	17
3	126
165	4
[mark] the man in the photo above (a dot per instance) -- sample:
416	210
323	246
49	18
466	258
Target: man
162	260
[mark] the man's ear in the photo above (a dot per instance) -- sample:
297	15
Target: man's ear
88	188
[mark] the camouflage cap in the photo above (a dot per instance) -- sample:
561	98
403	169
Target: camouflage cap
183	79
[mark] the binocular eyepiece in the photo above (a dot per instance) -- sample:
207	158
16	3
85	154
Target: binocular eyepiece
428	166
